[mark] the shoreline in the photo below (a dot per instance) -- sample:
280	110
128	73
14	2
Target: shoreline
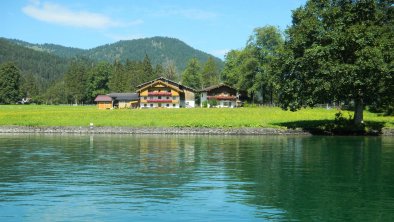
151	130
162	130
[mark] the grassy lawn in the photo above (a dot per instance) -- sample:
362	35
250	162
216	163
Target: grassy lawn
35	115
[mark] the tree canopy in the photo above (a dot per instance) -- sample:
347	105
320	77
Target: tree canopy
338	51
10	80
254	68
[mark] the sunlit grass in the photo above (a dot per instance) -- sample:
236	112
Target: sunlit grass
272	117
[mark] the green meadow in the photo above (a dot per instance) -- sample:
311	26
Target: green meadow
268	117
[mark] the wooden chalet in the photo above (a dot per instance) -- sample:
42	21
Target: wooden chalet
165	93
226	96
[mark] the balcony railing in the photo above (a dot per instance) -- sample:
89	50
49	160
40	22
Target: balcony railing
159	94
222	98
159	101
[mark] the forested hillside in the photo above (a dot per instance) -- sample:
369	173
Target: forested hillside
61	51
45	67
160	50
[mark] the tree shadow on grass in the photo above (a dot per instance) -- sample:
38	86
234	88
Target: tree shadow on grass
336	127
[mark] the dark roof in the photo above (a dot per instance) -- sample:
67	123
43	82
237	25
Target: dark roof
178	85
124	96
215	87
103	98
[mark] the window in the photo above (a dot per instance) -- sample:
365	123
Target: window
159	97
174	98
169	90
145	97
168	105
151	105
168	97
145	105
225	103
174	105
159	104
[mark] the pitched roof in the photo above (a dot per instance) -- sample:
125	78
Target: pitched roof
167	81
103	98
124	96
215	87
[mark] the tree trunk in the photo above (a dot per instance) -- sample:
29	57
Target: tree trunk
358	111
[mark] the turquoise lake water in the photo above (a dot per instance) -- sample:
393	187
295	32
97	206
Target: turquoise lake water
195	178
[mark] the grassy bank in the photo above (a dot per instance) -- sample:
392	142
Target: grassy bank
31	115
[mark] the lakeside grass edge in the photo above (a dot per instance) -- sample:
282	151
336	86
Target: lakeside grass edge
168	130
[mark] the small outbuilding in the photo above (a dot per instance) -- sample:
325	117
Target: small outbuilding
104	102
125	100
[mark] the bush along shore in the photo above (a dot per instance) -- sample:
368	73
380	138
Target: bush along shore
174	130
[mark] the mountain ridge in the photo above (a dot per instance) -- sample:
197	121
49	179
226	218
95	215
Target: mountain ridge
159	49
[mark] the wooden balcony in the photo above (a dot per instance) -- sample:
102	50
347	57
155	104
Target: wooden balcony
222	97
159	94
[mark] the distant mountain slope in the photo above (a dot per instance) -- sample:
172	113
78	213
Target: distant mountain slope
45	66
159	50
61	51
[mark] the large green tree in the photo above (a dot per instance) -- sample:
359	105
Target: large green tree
266	44
10	80
75	81
231	70
117	79
148	71
338	50
210	74
254	68
191	75
98	78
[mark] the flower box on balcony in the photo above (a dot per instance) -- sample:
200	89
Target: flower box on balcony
159	101
159	94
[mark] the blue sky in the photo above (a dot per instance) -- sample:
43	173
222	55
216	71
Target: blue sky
213	26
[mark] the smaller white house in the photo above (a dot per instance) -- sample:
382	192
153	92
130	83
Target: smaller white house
220	95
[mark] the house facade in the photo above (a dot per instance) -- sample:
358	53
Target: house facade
222	94
164	93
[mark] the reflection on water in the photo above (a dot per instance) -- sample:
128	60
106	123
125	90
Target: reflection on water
175	178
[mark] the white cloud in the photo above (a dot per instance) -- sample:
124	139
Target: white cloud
58	14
